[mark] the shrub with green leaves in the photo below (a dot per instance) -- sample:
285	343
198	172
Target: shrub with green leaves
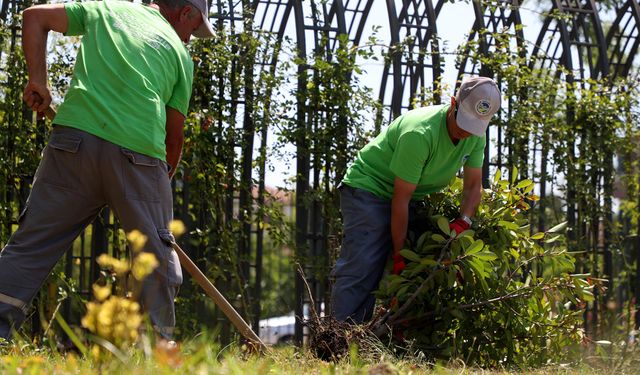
494	295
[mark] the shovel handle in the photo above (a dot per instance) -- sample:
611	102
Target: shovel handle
218	298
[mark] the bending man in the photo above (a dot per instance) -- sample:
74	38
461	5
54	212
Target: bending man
418	154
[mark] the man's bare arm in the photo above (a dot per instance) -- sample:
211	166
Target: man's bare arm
471	191
402	193
37	21
174	138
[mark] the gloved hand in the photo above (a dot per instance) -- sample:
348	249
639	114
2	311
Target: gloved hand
459	225
398	264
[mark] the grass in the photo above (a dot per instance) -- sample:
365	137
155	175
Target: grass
202	356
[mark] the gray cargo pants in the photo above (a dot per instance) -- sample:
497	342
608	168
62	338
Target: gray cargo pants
79	175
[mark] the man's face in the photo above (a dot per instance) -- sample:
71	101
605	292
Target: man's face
186	22
456	131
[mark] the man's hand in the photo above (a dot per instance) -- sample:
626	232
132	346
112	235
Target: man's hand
459	225
37	96
398	264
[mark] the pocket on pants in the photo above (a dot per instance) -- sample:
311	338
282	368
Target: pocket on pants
60	164
174	271
141	176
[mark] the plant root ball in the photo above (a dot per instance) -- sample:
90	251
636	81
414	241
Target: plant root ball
329	338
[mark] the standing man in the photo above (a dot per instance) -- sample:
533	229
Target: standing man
416	155
117	140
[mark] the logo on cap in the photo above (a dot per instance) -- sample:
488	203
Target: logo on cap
483	107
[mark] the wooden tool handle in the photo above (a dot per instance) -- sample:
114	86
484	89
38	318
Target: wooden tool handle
218	298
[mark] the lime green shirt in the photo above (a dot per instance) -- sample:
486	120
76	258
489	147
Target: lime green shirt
417	148
130	65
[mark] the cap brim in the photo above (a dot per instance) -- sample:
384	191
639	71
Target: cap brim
205	30
471	124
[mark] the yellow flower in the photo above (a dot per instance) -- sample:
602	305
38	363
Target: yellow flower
120	267
104	260
137	240
95	352
116	320
89	320
143	265
101	292
177	228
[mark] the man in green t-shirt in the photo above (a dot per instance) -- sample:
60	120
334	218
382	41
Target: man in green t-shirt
116	142
416	155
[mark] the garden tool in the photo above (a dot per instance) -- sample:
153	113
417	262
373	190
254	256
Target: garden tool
202	280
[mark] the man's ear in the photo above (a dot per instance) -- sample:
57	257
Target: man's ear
184	12
453	101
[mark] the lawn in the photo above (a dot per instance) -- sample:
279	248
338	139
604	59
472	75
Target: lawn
202	356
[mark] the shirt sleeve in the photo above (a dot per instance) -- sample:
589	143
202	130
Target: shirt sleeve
182	90
77	15
476	159
409	157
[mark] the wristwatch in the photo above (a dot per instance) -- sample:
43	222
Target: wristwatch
466	219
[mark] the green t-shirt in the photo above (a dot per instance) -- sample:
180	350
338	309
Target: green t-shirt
417	148
130	65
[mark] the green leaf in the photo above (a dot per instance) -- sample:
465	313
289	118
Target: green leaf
467	233
477	267
443	224
72	335
438	238
524	184
603	342
496	177
553	239
514	174
451	278
537	236
428	262
508	225
587	296
410	255
558	228
421	240
528	189
475	247
486	255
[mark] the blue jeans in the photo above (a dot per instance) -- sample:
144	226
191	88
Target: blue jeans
366	247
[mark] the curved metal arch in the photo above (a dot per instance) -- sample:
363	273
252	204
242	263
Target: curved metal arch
405	71
572	37
623	39
494	17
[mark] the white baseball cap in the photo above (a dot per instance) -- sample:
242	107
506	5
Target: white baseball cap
205	30
478	99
